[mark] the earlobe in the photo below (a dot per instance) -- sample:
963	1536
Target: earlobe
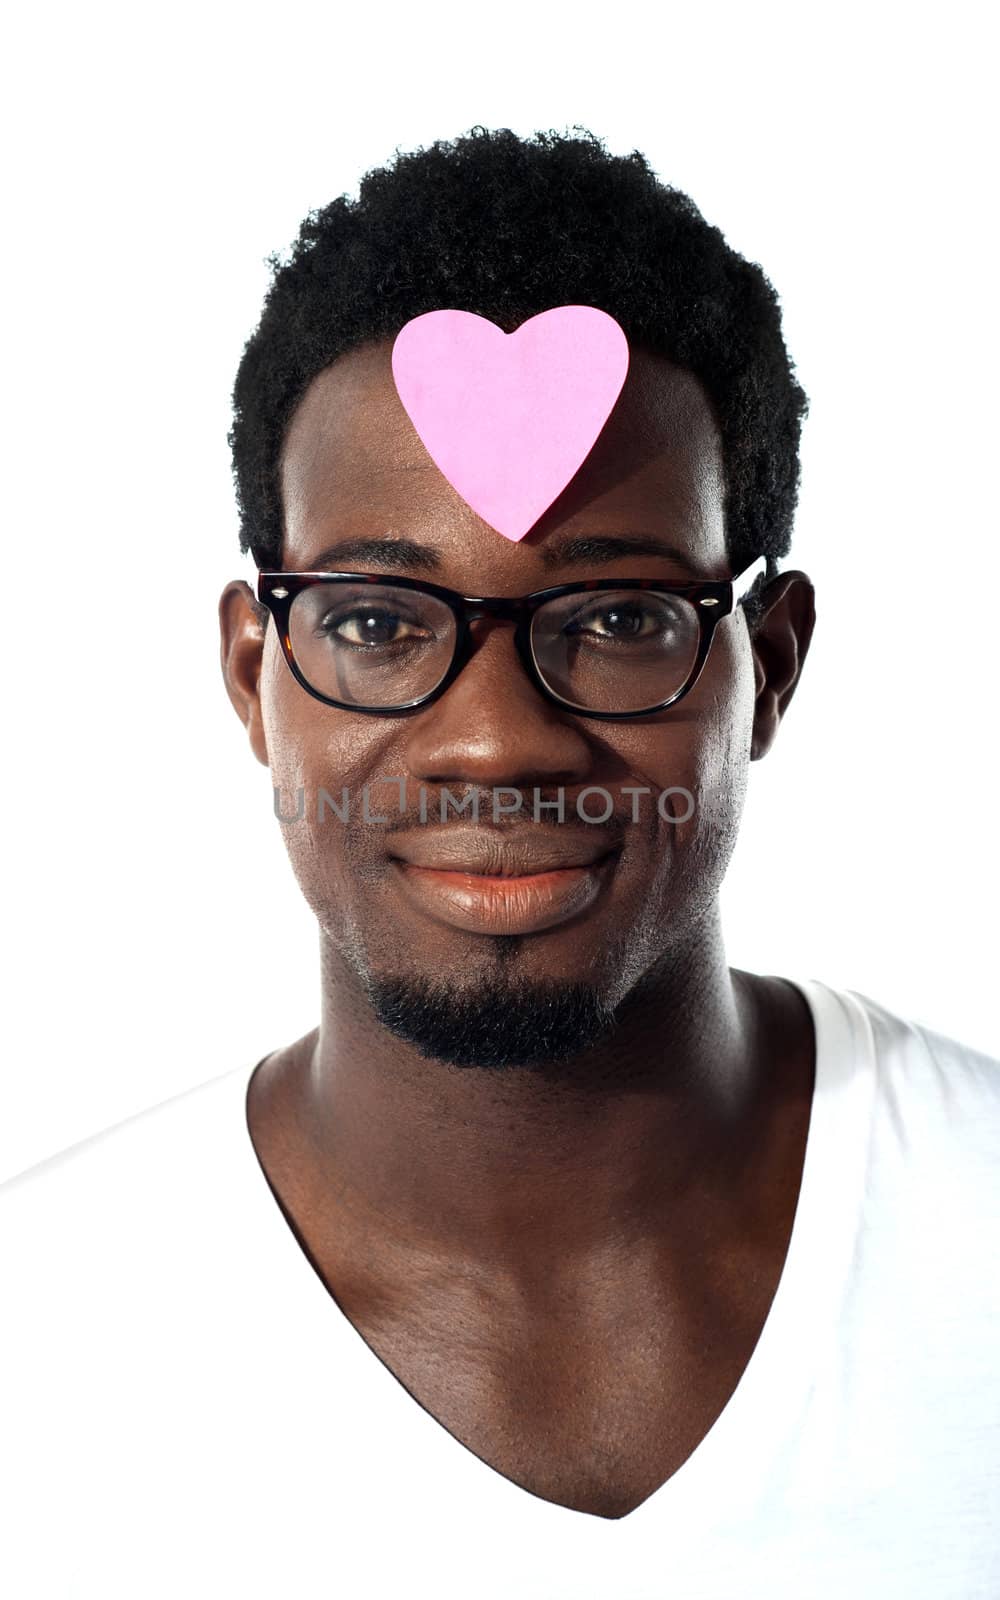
780	644
242	656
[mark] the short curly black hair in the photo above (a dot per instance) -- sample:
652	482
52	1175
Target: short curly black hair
506	226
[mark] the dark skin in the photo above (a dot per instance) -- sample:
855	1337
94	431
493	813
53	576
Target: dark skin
569	1271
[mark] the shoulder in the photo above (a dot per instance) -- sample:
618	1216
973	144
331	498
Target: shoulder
922	1136
932	1129
904	1057
116	1180
932	1081
921	1109
131	1239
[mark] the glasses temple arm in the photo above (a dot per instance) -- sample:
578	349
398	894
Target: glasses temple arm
745	580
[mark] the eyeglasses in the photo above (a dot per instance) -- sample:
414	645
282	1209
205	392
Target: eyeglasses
606	647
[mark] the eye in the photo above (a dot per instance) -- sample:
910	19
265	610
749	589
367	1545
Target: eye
368	626
625	617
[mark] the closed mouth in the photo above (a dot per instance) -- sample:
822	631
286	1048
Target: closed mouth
507	870
489	858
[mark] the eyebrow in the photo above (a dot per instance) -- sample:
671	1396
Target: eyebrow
390	553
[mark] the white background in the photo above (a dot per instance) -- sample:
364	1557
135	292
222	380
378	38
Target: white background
155	935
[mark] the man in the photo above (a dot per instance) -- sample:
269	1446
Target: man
560	1259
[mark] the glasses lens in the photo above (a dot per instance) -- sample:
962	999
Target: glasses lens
616	650
371	644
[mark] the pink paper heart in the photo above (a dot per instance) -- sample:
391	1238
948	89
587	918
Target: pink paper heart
509	418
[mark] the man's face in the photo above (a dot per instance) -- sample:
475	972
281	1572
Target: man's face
443	964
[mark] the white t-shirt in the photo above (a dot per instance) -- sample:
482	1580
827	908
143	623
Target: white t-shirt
185	1411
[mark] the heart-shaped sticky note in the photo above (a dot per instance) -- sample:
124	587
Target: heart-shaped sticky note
509	418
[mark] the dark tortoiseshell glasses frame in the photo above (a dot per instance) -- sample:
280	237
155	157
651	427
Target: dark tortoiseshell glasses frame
711	601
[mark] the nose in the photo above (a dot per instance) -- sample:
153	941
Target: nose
492	726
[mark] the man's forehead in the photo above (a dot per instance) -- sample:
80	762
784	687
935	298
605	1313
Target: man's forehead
351	446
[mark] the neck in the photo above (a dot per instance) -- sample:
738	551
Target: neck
509	1169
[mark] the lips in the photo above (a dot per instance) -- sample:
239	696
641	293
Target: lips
502	855
481	882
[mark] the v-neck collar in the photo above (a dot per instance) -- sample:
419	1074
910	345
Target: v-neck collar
725	1469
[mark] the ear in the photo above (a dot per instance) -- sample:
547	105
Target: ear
780	642
242	634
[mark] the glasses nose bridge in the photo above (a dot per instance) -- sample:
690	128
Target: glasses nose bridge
501	607
496	608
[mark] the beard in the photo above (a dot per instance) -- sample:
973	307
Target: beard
505	1021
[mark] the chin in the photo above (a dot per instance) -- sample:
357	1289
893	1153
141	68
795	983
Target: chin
506	1020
